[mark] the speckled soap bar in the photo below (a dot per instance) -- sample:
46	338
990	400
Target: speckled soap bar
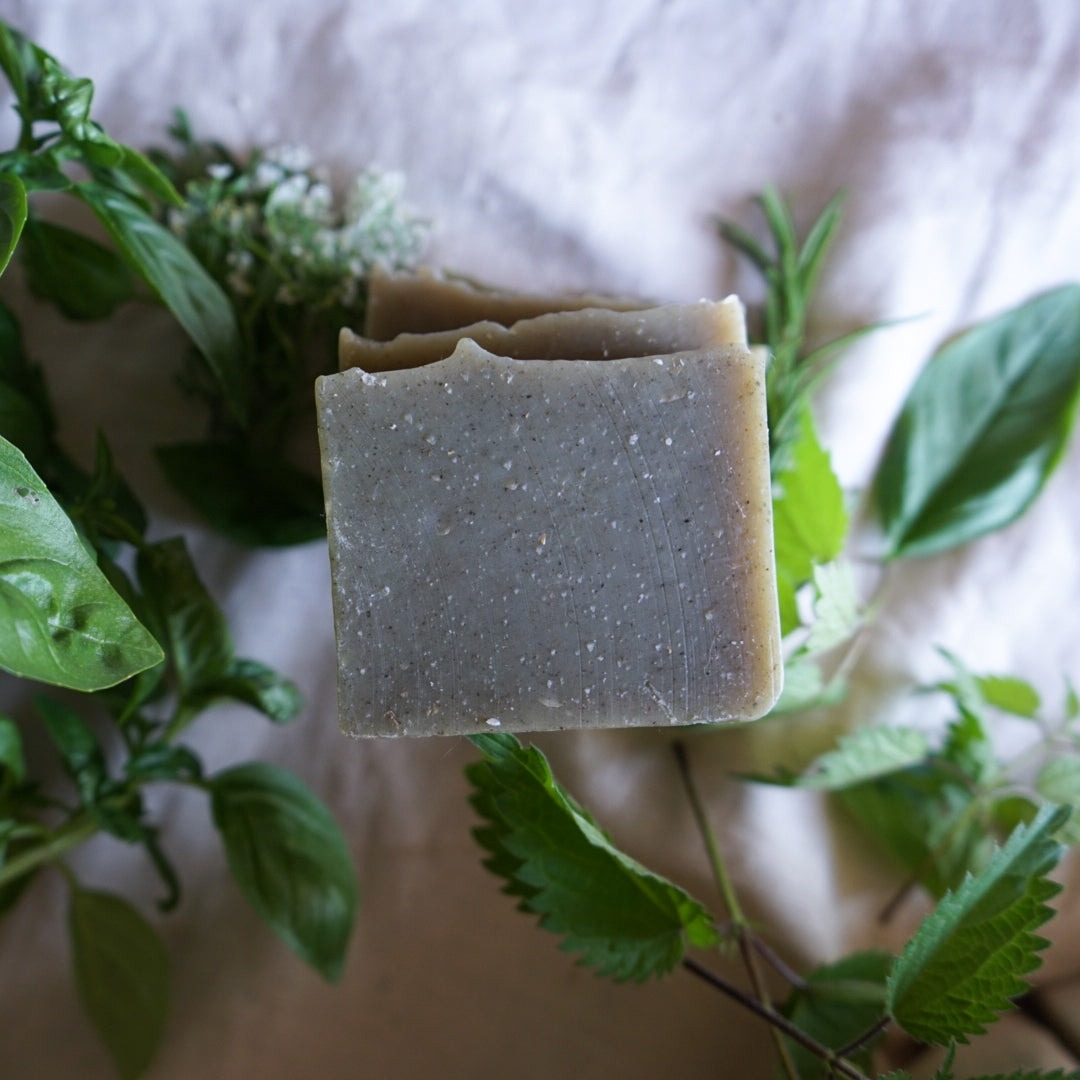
533	536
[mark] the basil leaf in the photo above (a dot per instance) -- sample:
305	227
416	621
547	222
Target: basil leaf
60	620
255	499
290	860
83	279
254	684
122	977
982	428
178	279
12	215
12	762
21	63
183	615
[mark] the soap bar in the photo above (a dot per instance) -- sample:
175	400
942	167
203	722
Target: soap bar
533	537
429	300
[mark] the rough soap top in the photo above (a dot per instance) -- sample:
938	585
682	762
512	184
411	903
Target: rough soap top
532	544
431	300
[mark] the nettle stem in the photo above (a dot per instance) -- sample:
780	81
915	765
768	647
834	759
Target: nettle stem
778	1022
740	925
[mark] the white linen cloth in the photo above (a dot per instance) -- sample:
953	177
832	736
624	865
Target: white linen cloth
566	145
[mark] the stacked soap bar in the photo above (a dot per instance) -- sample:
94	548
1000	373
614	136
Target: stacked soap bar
560	523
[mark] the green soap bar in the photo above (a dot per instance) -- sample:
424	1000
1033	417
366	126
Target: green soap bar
522	541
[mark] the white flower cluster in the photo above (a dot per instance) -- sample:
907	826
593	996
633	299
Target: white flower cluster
275	222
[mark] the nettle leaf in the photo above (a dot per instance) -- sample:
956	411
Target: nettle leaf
251	497
121	975
865	754
836	1004
290	860
84	279
62	622
179	280
626	921
982	428
12	215
967	960
805	687
836	608
809	518
926	817
1058	781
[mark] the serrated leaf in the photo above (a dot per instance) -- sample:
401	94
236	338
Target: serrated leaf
925	817
626	921
836	609
967	960
809	518
122	977
865	754
805	687
290	860
1058	781
837	1004
60	620
982	428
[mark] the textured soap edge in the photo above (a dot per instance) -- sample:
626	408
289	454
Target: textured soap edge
754	484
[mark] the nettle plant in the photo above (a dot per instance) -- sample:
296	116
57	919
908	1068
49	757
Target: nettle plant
977	437
261	266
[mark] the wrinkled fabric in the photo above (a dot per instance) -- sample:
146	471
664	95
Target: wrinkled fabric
563	146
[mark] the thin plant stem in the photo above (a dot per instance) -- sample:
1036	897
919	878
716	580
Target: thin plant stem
68	836
866	1037
777	1021
739	922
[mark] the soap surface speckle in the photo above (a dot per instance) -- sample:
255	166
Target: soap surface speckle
546	544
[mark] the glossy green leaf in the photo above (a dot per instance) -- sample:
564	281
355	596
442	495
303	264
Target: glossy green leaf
982	428
194	298
60	620
290	860
252	683
12	215
12	762
84	279
968	959
183	614
626	921
255	499
122	977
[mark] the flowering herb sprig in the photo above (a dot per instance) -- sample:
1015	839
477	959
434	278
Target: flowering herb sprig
294	260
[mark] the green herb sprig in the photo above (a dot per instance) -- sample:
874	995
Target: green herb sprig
294	262
974	444
89	603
